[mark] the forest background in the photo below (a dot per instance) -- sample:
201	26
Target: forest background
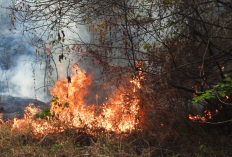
179	49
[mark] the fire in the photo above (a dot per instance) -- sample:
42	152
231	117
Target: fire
1	119
202	119
120	112
197	118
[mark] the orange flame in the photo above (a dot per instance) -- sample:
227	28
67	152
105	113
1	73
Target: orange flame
207	115
119	114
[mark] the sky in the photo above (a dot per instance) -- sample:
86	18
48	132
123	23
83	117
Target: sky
21	74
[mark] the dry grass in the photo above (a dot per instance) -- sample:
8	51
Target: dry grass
177	139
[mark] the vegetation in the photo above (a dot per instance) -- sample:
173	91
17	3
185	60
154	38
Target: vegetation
44	114
182	48
220	90
185	139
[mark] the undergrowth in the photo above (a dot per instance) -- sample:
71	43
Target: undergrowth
184	138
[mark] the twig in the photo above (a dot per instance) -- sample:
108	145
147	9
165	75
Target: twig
204	58
42	139
221	100
220	122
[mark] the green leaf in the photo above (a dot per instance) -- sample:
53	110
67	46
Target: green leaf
202	147
66	104
100	23
223	94
228	79
43	114
147	46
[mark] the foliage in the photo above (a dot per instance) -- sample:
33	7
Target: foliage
173	38
71	143
44	114
56	102
183	47
147	46
222	89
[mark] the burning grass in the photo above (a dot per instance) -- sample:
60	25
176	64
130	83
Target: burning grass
119	114
118	127
180	139
68	143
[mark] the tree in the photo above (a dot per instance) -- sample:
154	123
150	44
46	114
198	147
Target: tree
182	46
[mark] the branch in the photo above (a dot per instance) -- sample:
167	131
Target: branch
182	87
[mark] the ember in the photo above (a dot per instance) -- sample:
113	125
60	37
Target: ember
207	115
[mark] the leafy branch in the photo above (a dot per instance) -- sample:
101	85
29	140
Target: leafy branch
56	102
222	89
45	113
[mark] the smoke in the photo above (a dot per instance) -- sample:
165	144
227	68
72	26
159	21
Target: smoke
26	77
21	72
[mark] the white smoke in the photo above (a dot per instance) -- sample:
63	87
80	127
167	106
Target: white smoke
19	78
24	78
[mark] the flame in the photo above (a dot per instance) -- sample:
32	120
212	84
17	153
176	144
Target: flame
207	115
1	119
223	68
197	118
120	112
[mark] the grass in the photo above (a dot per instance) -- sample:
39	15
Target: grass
176	140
